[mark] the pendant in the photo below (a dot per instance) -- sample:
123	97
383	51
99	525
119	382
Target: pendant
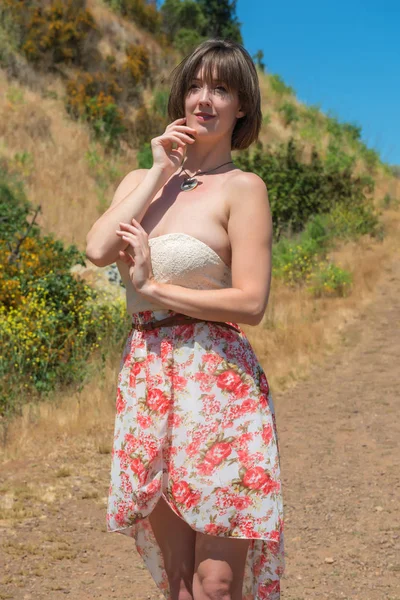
189	184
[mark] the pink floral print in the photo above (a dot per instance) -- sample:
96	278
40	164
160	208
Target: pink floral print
195	423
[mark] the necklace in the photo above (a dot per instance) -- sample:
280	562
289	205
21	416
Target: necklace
191	182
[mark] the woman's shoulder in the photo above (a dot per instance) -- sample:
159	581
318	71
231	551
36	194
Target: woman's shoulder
246	176
245	182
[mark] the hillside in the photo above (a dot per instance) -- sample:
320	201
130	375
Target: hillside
83	87
70	166
72	176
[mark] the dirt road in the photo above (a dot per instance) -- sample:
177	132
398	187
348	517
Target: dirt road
339	434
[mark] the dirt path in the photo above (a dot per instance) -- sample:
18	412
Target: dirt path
339	435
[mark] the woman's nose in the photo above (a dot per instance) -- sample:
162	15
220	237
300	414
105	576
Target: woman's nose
205	94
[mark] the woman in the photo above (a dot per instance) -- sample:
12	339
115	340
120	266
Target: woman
195	475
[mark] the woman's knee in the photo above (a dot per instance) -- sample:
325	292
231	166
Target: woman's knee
213	580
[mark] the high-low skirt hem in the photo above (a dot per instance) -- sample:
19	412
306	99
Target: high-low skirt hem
195	424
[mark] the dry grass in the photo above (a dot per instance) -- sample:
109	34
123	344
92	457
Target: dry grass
296	329
59	178
295	333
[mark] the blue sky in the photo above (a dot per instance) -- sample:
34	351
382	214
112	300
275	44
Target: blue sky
342	56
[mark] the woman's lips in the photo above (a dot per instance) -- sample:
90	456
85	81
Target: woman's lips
204	117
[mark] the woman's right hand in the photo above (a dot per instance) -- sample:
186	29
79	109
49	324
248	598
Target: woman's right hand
165	157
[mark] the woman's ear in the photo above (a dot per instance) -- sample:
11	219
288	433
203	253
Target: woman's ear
240	113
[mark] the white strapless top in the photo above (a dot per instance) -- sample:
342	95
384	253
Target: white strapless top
180	259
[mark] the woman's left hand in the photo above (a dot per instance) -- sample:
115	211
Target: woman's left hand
137	255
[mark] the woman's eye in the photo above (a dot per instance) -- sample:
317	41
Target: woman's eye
218	87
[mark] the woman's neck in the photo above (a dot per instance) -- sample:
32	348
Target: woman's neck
202	157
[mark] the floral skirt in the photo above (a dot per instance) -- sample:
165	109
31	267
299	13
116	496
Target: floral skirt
195	424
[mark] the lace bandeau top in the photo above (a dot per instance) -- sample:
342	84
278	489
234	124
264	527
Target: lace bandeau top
180	259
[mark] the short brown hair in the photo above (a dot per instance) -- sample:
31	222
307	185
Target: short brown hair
235	67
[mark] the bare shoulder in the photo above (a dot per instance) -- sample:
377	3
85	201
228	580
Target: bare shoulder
246	185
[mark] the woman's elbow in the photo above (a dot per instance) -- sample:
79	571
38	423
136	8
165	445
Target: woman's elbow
257	313
98	258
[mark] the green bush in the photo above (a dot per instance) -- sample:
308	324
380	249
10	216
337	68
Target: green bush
279	86
370	157
337	159
160	103
350	222
145	157
298	190
179	14
51	324
93	98
289	112
293	259
329	280
186	40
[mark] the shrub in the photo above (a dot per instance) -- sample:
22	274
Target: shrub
337	159
137	64
294	259
175	14
370	157
145	157
160	103
330	280
144	14
186	40
352	131
93	98
279	86
266	120
334	127
293	262
297	190
50	323
289	112
54	32
352	221
147	125
14	207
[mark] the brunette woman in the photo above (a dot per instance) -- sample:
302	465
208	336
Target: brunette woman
195	474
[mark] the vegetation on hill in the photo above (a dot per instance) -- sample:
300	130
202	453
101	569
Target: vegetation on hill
50	322
111	63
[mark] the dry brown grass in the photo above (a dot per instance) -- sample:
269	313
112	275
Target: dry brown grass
296	329
60	179
296	332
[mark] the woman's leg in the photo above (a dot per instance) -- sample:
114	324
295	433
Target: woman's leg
177	543
219	567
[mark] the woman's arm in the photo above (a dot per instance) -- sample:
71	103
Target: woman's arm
250	235
131	200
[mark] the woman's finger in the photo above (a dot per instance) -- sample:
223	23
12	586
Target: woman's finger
130	239
126	258
131	227
138	225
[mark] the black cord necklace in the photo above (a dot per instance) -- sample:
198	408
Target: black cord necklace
191	182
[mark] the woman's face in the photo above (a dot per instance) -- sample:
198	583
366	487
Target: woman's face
211	109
